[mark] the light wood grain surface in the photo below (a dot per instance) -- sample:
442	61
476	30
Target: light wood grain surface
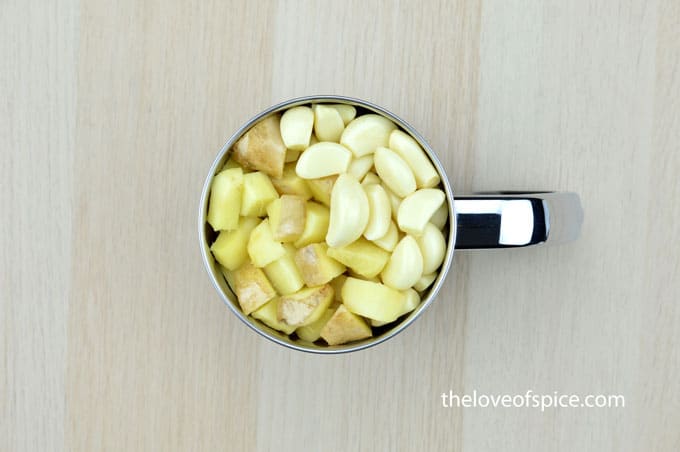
111	336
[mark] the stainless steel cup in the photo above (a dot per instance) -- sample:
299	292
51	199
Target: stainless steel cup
485	220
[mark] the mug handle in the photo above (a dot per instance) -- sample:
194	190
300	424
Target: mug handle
516	219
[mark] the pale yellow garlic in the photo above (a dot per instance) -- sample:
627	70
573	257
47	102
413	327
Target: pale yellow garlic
417	209
328	124
411	300
405	266
370	178
390	239
395	201
433	248
394	172
366	133
373	300
349	211
296	127
347	112
359	167
323	159
440	216
408	149
424	282
379	212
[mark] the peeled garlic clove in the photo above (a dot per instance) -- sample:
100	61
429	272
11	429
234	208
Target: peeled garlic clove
361	166
433	248
296	127
405	266
366	133
440	216
424	282
349	211
323	159
347	112
372	300
390	239
328	124
395	202
379	212
412	300
417	209
409	149
370	178
394	172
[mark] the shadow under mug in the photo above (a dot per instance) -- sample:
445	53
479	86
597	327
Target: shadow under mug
479	221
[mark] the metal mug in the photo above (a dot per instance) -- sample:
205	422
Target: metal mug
486	220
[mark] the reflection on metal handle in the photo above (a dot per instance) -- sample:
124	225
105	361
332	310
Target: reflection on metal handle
510	219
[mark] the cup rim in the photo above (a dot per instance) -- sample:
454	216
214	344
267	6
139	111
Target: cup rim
230	299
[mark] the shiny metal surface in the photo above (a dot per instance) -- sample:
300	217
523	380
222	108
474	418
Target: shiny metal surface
510	220
511	233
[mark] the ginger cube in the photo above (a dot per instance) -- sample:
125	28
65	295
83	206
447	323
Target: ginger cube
315	266
261	148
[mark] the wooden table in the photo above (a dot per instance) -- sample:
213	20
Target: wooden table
111	336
